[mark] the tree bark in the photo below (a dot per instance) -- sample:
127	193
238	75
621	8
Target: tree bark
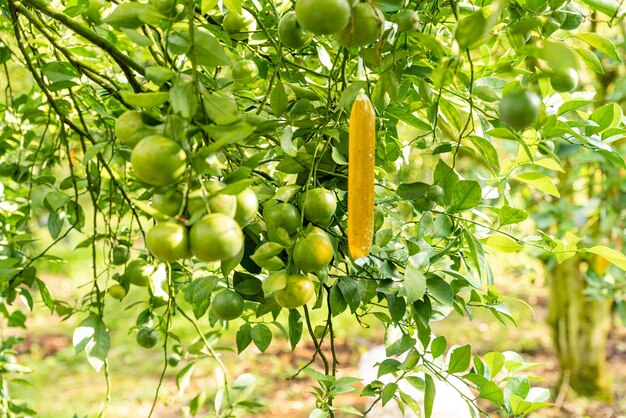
580	329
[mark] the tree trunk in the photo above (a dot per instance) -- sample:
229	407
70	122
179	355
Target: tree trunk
580	328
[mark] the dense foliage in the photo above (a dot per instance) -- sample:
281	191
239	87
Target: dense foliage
125	123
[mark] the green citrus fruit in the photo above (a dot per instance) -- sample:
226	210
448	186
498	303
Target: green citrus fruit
365	27
120	255
227	305
245	71
138	272
282	215
323	16
221	203
408	21
216	237
129	128
520	109
423	204
298	291
313	252
564	80
435	193
168	203
147	338
291	34
239	26
319	206
195	203
117	291
158	161
574	16
247	207
168	241
173	359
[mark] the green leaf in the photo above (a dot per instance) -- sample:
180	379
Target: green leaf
92	337
430	392
385	90
261	336
494	362
445	177
93	151
350	291
350	93
295	328
338	303
460	359
244	337
350	410
318	413
491	392
158	74
508	215
208	5
466	195
279	99
209	52
387	393
198	294
440	290
46	297
266	251
286	143
558	55
275	281
133	15
145	100
411	191
5	54
540	181
471	30
137	37
414	283
611	8
600	43
487	151
438	346
55	224
59	71
408	118
591	59
234	5
244	381
222	110
183	377
400	346
184	97
520	407
387	366
503	243
225	135
609	254
573	105
607	116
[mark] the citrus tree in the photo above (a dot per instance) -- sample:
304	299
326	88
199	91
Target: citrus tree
205	151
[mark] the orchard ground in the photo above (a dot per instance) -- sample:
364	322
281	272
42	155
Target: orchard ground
64	384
